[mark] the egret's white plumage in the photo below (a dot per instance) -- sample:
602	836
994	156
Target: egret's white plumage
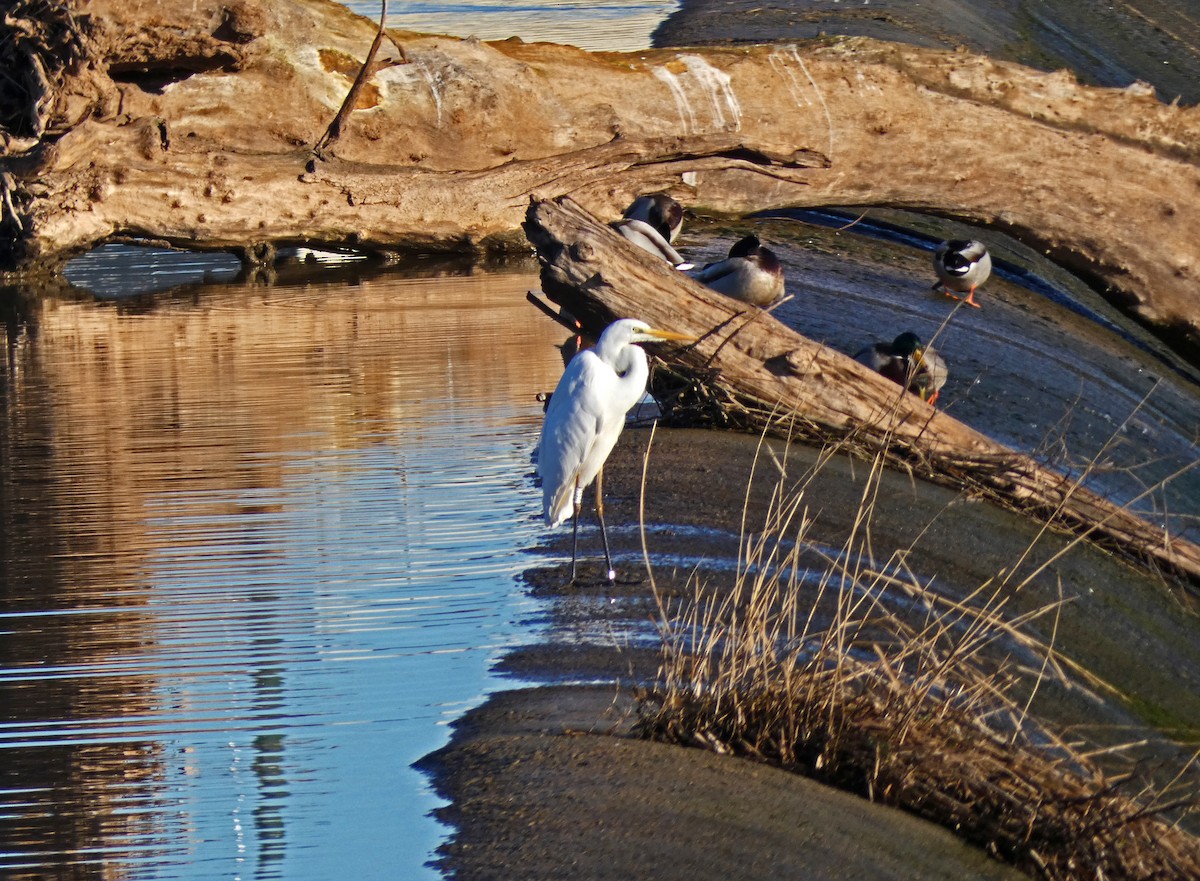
586	413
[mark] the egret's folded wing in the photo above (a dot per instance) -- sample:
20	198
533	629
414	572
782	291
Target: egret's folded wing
574	420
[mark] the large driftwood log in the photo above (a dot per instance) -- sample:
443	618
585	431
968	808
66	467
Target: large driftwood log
192	121
783	382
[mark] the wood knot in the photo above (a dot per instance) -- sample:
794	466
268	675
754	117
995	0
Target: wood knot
583	252
258	254
798	362
154	140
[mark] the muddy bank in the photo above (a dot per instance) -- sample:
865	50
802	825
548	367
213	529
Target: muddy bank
542	791
531	770
1133	633
1047	365
1105	44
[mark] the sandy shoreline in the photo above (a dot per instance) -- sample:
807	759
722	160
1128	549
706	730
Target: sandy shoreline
541	790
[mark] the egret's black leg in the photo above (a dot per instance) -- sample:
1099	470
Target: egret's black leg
575	529
612	574
574	542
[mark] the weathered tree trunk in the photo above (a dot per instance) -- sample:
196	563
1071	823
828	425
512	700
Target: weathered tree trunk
768	376
192	121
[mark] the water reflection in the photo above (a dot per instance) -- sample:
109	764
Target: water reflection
613	25
106	269
257	546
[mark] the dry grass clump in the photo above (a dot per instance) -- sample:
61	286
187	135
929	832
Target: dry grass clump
857	674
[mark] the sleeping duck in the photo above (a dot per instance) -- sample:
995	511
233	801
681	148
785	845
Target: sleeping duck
750	273
652	223
660	211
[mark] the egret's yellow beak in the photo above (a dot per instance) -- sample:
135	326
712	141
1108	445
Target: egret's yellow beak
671	335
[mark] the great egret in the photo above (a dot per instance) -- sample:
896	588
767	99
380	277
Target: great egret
961	265
584	418
905	361
750	273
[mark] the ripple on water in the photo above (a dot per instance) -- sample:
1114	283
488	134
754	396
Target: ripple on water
261	547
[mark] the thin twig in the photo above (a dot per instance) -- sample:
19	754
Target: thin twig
334	132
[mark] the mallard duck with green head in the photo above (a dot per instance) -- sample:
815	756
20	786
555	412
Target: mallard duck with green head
908	363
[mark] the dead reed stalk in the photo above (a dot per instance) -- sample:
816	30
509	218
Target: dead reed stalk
852	671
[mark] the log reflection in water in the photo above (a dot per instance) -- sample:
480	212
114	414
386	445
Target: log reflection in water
258	542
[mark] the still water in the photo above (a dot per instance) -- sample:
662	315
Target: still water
259	547
260	544
615	25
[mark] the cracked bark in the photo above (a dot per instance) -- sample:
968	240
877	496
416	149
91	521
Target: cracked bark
762	375
193	123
